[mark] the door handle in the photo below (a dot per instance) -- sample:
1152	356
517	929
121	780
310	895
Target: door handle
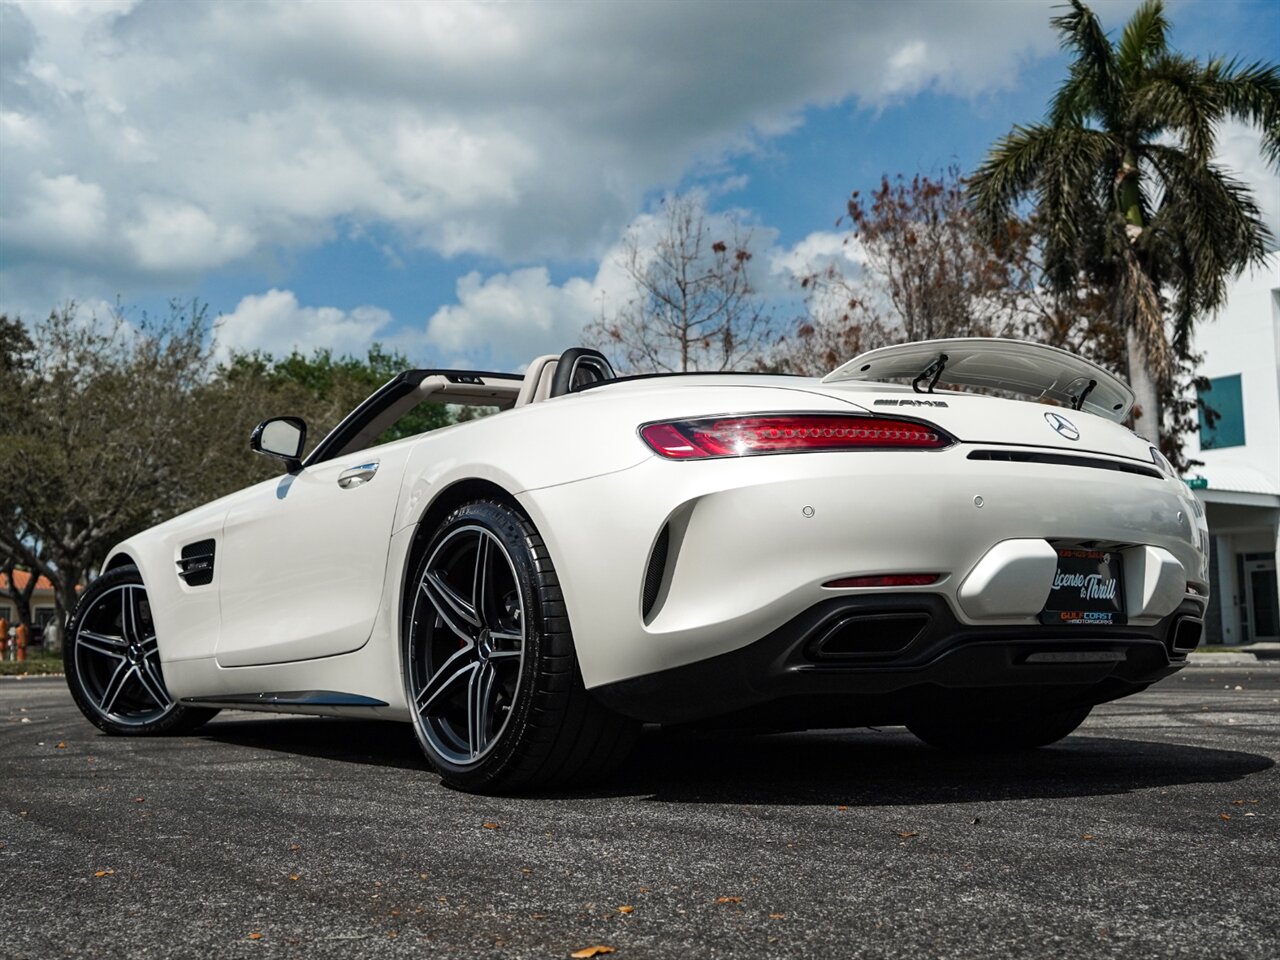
355	476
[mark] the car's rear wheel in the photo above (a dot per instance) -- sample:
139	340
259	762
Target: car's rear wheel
1001	732
491	674
112	661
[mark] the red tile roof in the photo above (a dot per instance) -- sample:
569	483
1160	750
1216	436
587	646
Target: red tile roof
21	578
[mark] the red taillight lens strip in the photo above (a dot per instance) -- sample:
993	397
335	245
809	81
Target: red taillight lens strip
886	580
789	433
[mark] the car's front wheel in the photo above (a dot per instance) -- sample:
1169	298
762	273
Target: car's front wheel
112	661
1000	732
491	673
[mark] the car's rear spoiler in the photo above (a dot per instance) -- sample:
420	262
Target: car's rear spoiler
1017	366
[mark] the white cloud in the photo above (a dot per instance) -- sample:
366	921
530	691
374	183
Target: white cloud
219	134
1238	151
909	68
21	130
177	237
509	318
274	322
504	320
818	251
57	214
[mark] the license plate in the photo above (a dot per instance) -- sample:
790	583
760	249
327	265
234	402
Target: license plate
1087	589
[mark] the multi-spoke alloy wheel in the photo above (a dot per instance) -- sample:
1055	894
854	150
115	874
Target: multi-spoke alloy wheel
112	661
117	657
490	671
471	652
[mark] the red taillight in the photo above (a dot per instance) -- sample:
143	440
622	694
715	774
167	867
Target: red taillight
789	433
887	580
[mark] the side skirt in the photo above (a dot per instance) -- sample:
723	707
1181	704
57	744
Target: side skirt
315	703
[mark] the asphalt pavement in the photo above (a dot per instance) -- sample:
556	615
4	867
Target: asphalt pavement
1152	832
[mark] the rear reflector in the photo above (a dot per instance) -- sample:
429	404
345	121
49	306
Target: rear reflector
789	433
887	580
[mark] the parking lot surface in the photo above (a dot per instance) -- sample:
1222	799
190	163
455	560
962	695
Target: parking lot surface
1154	831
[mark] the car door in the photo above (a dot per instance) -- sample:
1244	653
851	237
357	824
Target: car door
303	560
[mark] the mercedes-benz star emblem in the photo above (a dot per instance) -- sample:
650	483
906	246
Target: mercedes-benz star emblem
1064	426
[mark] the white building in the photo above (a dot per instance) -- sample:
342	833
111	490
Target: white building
1239	483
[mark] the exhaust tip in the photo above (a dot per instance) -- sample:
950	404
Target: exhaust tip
869	635
1186	634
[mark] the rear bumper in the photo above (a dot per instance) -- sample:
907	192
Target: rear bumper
753	541
885	658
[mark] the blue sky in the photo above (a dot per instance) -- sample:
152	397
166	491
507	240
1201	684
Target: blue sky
454	179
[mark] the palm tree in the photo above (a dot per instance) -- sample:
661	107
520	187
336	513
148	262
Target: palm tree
1121	179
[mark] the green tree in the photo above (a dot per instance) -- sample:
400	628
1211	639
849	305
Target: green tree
340	384
320	388
1121	178
108	427
16	357
96	439
16	348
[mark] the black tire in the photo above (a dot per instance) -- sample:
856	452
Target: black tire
113	664
998	733
490	670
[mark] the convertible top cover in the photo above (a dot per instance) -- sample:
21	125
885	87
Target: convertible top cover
1029	369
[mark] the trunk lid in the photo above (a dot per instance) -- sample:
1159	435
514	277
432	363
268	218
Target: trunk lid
976	419
1053	414
1031	370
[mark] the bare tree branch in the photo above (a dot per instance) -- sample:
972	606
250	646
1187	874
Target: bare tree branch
691	304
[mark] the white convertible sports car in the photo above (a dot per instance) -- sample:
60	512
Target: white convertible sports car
982	562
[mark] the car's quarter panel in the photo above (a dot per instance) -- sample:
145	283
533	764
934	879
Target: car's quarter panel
571	438
762	535
303	559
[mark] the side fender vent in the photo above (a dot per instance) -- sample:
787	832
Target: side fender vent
195	566
656	570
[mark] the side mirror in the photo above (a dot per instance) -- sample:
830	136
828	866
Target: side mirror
281	437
